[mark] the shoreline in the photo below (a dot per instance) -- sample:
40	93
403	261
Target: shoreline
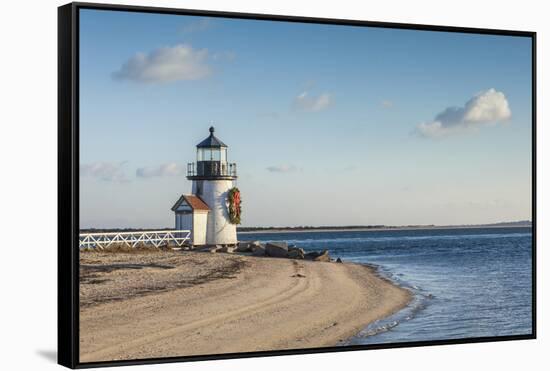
197	303
381	229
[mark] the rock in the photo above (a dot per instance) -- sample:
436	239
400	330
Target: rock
227	249
210	248
247	246
323	257
276	249
295	254
293	247
258	250
215	248
244	246
318	256
312	255
339	260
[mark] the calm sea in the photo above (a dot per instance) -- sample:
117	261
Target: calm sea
466	282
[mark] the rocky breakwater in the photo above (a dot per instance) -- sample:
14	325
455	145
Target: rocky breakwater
281	250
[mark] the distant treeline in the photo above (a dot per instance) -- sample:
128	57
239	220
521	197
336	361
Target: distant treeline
309	227
327	227
382	226
501	224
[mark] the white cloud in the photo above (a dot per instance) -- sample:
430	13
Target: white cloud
386	103
305	102
282	168
106	171
166	64
487	107
170	169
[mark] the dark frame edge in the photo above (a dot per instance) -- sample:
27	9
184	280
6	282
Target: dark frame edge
305	351
67	306
68	280
300	19
534	182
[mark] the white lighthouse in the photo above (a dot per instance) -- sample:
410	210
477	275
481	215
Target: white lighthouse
212	180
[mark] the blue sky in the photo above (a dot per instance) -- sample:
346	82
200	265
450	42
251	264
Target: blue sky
329	125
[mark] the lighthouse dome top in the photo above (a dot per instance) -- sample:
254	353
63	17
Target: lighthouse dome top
211	141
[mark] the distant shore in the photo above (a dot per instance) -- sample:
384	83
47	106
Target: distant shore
377	229
164	304
518	224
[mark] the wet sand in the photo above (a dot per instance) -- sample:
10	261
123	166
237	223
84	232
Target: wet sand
164	304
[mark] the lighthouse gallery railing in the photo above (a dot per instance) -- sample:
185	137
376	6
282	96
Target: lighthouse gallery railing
211	168
133	239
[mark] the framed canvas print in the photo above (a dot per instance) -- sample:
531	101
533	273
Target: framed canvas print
239	185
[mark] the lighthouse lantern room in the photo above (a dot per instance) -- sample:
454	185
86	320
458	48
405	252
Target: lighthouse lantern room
212	179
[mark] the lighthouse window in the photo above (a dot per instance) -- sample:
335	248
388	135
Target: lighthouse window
204	154
211	154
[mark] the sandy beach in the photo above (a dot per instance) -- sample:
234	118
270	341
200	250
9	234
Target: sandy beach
162	304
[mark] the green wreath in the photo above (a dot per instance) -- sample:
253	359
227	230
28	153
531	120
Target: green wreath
234	201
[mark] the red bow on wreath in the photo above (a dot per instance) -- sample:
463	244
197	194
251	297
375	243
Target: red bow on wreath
237	202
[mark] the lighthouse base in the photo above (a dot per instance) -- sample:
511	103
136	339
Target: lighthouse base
219	230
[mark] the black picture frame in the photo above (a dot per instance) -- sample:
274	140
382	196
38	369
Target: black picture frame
68	180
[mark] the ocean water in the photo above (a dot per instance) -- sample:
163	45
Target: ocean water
473	282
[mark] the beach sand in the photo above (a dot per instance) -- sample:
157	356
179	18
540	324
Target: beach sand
164	304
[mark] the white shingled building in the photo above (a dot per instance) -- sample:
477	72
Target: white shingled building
192	214
205	212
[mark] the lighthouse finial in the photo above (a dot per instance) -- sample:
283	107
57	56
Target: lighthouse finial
211	129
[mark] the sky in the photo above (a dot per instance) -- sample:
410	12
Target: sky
328	124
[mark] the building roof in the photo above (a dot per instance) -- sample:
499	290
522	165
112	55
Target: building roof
211	141
193	201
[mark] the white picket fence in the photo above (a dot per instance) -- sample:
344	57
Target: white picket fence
132	239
